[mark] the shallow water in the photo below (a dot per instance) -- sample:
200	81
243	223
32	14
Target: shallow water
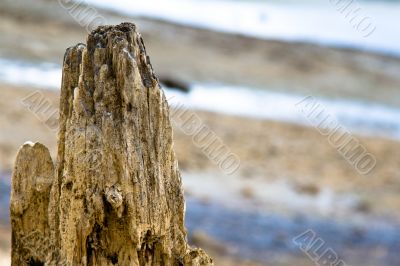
267	236
4	198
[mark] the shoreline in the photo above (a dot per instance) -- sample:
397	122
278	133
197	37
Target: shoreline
204	56
354	116
269	151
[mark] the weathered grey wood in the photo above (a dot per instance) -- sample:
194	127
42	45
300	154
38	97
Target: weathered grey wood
117	196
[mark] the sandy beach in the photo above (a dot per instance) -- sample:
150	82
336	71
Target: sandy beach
270	152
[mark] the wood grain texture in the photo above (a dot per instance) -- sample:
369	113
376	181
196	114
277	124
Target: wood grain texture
116	196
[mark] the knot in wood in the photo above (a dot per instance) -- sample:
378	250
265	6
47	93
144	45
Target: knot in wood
114	196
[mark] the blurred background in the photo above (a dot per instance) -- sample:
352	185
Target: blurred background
243	67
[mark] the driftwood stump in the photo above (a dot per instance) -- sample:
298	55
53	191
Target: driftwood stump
114	196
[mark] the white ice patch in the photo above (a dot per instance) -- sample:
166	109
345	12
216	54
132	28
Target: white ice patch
358	117
313	21
44	75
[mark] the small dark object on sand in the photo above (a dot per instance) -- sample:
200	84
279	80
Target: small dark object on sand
174	83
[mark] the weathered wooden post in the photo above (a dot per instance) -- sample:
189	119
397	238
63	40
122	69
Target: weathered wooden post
115	196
